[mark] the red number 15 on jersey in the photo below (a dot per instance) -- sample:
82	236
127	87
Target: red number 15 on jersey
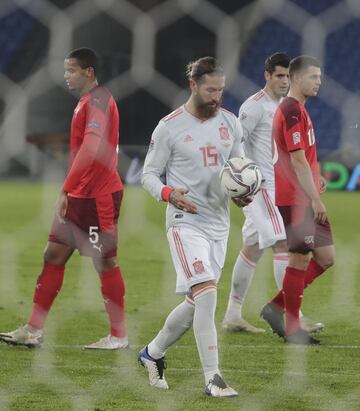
210	156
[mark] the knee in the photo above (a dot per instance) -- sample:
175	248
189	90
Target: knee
57	254
325	258
280	247
52	257
326	263
104	264
299	261
252	252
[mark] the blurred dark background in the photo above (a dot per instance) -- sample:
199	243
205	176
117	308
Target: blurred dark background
144	47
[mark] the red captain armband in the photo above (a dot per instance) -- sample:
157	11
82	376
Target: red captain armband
165	193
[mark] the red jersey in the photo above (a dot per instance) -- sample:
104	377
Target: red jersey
94	146
292	130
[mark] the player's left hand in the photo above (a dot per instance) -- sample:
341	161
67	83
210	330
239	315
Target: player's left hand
323	184
61	206
242	201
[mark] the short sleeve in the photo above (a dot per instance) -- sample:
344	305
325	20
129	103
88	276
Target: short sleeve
237	149
293	128
250	114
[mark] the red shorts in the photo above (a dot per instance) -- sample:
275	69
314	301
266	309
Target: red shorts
303	234
90	225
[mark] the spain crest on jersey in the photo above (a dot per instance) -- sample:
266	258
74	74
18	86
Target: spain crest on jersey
198	267
224	134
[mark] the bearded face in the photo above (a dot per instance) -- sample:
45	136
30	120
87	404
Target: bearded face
207	109
208	94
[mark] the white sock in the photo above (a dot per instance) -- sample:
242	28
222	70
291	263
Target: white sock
176	324
242	276
280	262
205	330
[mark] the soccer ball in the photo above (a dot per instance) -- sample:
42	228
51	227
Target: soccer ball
240	177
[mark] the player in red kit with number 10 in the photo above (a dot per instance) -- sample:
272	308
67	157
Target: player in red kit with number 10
87	208
297	194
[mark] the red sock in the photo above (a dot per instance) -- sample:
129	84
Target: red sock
47	288
278	300
314	270
293	288
113	291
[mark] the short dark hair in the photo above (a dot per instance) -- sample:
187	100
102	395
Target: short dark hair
86	57
277	59
195	70
301	63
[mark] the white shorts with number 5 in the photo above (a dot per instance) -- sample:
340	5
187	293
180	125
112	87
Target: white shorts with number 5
196	258
263	221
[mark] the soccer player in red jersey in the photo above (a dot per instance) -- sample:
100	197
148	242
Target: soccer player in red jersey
87	207
297	194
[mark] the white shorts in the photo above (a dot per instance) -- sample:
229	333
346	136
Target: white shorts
196	258
263	222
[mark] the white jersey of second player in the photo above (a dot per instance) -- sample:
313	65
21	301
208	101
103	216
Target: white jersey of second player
190	153
256	116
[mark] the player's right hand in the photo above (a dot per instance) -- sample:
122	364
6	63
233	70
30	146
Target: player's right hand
320	213
61	206
242	201
178	199
323	184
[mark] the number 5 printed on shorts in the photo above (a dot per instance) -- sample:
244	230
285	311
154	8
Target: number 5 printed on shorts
94	237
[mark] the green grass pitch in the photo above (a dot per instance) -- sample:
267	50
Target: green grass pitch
268	374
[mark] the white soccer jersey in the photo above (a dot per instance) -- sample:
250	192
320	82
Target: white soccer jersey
256	117
190	153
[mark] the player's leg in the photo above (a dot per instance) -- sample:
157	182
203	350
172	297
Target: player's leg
323	258
323	253
263	228
182	244
242	276
113	292
244	269
153	355
280	262
190	251
95	235
301	234
300	230
293	289
273	311
205	298
49	282
47	288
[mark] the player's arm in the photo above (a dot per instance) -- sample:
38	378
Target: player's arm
323	181
303	172
250	114
83	160
94	134
61	205
154	167
238	151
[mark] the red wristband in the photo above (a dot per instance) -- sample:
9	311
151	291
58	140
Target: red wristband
165	193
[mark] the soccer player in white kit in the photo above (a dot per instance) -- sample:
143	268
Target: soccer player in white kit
189	147
263	225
